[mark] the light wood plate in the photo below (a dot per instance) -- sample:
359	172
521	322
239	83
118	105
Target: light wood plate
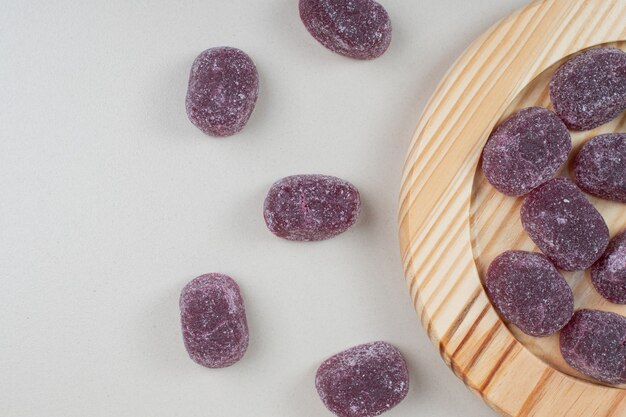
453	223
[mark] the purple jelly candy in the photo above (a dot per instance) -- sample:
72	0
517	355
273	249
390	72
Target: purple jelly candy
590	89
358	29
311	207
222	92
363	381
529	292
594	342
600	167
525	151
213	318
609	273
564	224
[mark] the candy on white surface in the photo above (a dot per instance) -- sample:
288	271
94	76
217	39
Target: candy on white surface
363	381
222	92
213	321
311	207
358	29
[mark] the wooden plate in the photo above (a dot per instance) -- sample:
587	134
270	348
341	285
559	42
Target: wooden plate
453	223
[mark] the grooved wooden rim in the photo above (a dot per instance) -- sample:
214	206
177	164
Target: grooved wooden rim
435	206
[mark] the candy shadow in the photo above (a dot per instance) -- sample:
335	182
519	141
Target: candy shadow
286	16
166	112
303	396
159	336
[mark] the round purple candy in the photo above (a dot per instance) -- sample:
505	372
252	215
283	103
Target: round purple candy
609	273
600	167
213	319
594	342
525	151
590	89
358	29
311	207
222	92
565	225
363	381
529	292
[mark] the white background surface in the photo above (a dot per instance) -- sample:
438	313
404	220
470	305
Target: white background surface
110	201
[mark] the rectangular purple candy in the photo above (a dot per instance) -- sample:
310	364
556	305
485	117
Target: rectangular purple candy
565	225
213	321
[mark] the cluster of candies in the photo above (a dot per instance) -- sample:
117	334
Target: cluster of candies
521	157
362	381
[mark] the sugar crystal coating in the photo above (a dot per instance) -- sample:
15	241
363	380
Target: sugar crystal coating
600	167
609	273
213	320
311	207
525	151
564	224
590	89
529	292
222	92
363	381
358	29
594	342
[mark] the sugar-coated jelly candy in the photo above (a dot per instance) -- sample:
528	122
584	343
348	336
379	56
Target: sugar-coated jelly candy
590	89
525	151
564	224
213	319
609	273
529	292
358	29
311	207
222	92
594	342
363	381
600	167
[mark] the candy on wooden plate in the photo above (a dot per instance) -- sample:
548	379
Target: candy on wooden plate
363	381
358	29
311	207
525	151
594	342
600	167
529	292
222	92
608	274
590	89
213	320
564	225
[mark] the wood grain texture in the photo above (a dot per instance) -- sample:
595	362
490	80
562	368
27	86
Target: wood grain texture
452	223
